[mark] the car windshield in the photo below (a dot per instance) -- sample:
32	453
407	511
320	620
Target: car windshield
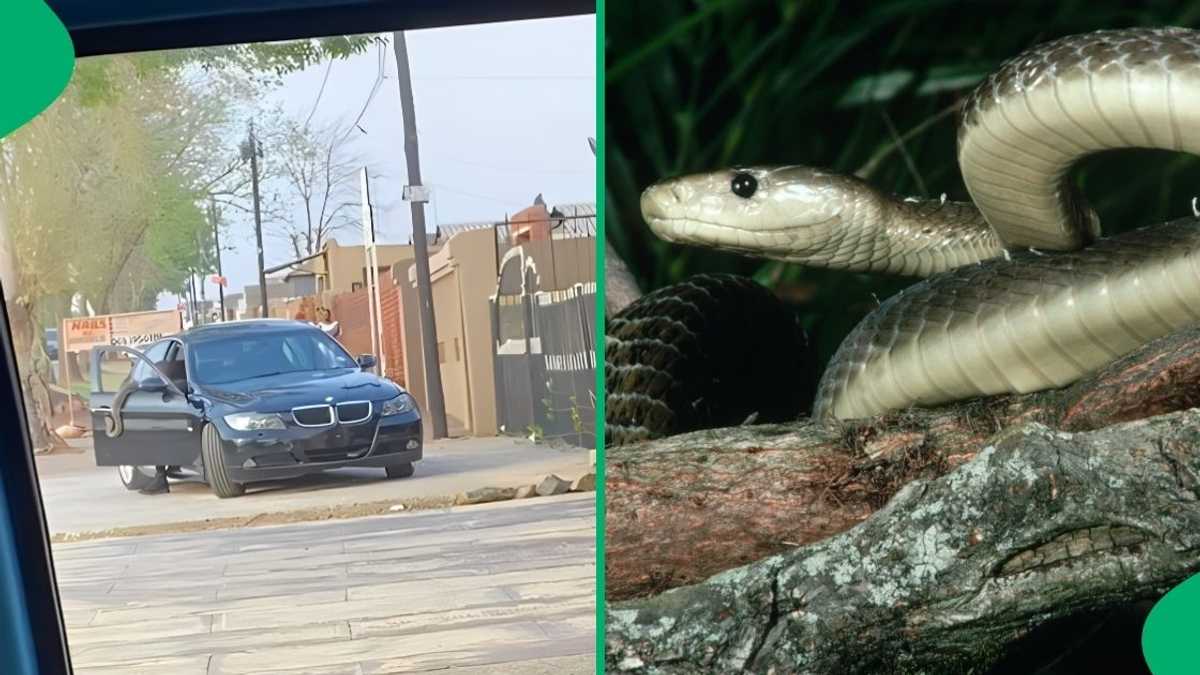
249	356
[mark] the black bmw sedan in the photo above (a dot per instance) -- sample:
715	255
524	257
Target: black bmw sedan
248	401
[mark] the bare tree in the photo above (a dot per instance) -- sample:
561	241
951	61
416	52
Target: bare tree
318	169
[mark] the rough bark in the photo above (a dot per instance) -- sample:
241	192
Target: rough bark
33	364
72	361
683	508
1039	525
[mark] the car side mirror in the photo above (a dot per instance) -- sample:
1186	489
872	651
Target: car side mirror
367	361
152	383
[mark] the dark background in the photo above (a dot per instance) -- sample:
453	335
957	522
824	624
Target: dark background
698	86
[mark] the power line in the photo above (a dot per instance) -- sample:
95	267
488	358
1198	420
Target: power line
476	195
379	77
321	91
508	77
512	168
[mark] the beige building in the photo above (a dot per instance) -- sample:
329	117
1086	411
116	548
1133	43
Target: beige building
343	269
464	276
556	247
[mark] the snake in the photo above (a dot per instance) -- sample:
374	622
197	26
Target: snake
1019	290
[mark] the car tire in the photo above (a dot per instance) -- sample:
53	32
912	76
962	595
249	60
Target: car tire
137	477
215	470
403	470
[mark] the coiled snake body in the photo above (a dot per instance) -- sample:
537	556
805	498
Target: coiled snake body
1021	293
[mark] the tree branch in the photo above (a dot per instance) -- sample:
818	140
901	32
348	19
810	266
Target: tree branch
683	508
1040	525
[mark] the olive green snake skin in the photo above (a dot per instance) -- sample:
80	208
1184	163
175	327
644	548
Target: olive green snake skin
1020	292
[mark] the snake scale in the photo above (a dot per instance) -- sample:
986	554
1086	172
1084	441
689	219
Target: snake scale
1020	292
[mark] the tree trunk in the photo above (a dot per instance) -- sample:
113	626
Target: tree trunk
683	508
31	358
1002	518
1039	526
33	364
72	361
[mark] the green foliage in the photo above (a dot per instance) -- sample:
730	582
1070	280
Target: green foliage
536	433
696	86
181	235
274	58
105	193
576	417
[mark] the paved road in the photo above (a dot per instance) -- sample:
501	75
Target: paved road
81	497
505	588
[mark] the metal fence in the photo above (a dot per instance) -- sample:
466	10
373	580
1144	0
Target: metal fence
546	363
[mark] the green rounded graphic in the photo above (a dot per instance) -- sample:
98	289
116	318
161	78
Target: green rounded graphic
38	57
1169	636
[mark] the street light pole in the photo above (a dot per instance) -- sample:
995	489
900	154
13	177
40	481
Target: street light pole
415	194
212	215
192	297
251	151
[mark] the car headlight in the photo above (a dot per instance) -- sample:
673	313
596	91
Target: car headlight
254	421
399	405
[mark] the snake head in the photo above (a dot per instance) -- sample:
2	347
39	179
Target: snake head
783	212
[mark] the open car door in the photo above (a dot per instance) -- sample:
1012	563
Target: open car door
147	420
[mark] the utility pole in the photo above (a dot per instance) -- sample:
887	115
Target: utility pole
417	195
252	151
196	302
190	291
212	215
375	311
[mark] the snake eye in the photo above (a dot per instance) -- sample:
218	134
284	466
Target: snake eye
743	185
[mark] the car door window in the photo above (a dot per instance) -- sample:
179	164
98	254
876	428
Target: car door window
157	352
173	366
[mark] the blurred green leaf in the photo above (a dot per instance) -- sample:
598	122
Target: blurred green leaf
875	88
951	78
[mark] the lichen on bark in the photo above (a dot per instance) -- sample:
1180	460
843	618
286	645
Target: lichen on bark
1038	525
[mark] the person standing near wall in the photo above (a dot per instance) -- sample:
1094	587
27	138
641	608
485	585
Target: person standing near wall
326	323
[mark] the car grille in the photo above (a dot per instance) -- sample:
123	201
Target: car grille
335	455
313	415
353	412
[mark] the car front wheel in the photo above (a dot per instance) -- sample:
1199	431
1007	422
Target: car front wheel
137	477
399	470
215	470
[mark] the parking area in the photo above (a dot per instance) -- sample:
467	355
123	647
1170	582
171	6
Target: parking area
81	497
496	588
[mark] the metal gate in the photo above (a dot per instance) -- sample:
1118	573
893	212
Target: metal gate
545	351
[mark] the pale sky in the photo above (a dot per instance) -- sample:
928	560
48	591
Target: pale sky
503	110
